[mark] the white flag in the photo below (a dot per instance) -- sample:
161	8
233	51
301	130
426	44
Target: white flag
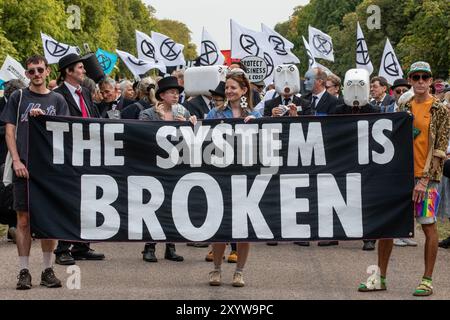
55	50
362	52
12	69
321	44
281	47
170	52
246	42
210	54
146	49
311	60
137	66
390	67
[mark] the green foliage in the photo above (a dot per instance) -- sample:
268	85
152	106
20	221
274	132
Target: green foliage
417	29
106	24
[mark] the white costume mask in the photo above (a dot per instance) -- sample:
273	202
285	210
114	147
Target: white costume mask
287	80
356	87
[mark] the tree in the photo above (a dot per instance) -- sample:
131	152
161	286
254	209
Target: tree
28	18
417	29
179	33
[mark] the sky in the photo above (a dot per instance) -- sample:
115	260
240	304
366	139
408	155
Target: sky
215	17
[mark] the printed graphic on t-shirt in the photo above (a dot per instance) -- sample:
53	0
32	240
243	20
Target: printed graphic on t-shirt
49	111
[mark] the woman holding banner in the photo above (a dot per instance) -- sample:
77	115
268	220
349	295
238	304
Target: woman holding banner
240	105
167	109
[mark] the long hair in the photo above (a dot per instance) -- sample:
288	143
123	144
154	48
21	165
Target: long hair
241	78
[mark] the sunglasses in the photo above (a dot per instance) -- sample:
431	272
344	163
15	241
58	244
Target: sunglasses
417	77
32	72
401	91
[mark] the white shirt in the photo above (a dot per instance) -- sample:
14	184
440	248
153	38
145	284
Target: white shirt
75	96
207	101
319	96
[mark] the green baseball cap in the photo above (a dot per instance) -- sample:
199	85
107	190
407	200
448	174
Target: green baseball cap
420	66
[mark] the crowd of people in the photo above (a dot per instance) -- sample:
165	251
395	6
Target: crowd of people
164	99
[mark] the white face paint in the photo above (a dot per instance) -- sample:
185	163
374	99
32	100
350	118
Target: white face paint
287	80
356	87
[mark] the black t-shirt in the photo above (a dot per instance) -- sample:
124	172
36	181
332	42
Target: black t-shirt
53	104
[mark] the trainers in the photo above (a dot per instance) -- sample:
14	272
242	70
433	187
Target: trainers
400	243
232	258
238	279
24	280
215	278
410	242
12	234
49	280
369	245
445	243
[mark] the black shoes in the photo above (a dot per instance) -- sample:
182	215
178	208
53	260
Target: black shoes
197	244
171	254
149	254
302	243
64	259
328	243
369	245
49	280
445	243
272	244
88	255
24	280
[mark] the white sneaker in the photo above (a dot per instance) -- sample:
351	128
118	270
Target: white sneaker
410	242
400	243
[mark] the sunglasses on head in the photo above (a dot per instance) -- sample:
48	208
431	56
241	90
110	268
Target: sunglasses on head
417	77
401	91
32	72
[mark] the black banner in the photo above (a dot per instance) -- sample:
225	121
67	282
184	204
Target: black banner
287	179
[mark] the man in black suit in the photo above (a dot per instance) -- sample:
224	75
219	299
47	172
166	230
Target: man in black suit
80	104
113	101
199	106
272	107
379	91
321	102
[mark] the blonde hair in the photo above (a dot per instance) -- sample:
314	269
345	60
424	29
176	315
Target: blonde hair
147	89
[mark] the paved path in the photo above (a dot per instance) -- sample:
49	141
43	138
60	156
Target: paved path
286	271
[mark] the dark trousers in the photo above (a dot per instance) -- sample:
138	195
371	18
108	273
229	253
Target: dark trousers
64	247
8	217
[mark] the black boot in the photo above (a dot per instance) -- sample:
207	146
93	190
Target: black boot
149	253
171	254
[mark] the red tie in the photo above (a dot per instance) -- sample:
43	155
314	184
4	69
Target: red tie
83	108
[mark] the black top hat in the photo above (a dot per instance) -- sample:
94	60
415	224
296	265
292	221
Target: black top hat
166	84
401	83
69	60
219	91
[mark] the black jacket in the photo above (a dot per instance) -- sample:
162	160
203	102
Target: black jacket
197	107
73	107
121	103
271	104
387	101
133	110
345	109
327	104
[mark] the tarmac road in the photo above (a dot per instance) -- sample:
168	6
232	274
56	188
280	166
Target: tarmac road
285	271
